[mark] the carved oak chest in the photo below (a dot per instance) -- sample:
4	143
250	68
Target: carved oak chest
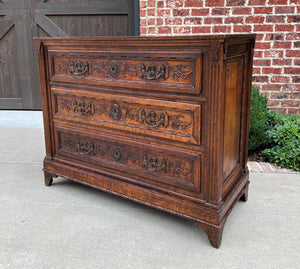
160	121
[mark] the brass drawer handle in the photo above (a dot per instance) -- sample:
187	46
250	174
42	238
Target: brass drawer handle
84	148
153	165
79	68
82	108
152	72
154	121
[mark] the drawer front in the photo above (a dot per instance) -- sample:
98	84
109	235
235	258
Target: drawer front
165	71
156	118
147	162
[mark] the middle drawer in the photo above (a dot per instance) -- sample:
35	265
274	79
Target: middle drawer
157	118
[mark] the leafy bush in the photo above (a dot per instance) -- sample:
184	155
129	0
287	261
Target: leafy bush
284	139
258	124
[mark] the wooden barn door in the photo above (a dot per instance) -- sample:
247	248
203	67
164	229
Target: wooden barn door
21	20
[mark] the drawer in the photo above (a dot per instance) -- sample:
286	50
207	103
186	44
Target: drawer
149	163
156	118
164	71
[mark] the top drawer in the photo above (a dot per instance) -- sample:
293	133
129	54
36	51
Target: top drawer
164	71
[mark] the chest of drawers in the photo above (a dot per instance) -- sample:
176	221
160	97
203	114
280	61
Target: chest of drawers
160	121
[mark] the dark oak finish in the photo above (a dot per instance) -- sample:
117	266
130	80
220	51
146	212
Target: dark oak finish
160	121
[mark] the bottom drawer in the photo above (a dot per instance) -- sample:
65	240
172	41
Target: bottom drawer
150	164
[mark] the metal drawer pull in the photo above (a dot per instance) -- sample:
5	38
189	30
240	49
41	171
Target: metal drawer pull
153	165
79	68
82	108
152	118
152	73
84	148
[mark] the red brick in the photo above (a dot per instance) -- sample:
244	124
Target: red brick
220	11
263	10
271	87
292	70
292	87
280	79
201	29
143	22
151	3
273	53
282	45
263	28
293	18
271	70
142	13
200	12
241	11
293	36
292	53
222	29
290	103
235	3
256	71
297	62
163	12
297	44
255	19
174	3
260	79
282	62
234	20
294	2
280	95
284	28
258	54
295	95
261	62
173	21
275	37
257	2
259	37
151	22
262	45
193	21
151	30
143	4
181	30
164	30
284	10
293	111
242	28
214	3
213	20
277	2
143	30
295	79
181	12
159	21
275	19
273	103
193	3
151	12
160	4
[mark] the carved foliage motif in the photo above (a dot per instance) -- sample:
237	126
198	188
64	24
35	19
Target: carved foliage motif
114	69
129	155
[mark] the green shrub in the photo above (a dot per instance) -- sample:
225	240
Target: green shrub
284	140
258	124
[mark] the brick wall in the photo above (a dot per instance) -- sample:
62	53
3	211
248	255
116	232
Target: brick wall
277	24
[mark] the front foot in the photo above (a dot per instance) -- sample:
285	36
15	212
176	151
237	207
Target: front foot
214	233
49	178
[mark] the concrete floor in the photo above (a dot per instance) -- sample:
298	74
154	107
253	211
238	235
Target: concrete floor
71	226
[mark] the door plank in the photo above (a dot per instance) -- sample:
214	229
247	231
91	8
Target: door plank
49	26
